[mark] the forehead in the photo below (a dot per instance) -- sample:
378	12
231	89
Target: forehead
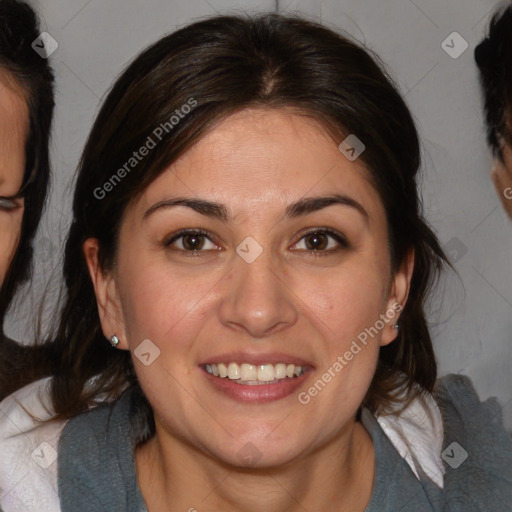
13	132
13	101
264	157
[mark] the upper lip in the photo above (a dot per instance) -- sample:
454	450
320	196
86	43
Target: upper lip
256	359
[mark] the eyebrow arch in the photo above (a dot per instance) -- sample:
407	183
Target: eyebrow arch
219	211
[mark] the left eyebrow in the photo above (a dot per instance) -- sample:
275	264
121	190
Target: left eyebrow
294	210
313	204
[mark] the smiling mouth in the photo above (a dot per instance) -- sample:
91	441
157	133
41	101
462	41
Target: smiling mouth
254	375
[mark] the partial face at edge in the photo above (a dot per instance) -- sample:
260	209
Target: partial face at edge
502	179
195	306
13	133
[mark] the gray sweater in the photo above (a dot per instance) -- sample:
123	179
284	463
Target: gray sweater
97	466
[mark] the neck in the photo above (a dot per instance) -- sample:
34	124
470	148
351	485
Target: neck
175	476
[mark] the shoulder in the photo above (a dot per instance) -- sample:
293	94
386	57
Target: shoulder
93	427
458	442
98	426
84	452
28	448
87	434
31	445
96	458
464	415
477	449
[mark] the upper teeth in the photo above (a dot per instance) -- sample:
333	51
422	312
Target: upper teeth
247	372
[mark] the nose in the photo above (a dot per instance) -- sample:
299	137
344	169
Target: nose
256	298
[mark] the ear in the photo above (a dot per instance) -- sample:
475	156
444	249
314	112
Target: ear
502	178
107	298
399	291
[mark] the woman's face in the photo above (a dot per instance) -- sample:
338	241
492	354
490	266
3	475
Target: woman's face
254	291
13	133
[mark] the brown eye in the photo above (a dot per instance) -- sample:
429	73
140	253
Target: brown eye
319	241
191	241
316	241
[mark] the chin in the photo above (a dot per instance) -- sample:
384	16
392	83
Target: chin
251	456
260	450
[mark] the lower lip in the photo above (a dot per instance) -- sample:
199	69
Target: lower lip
259	393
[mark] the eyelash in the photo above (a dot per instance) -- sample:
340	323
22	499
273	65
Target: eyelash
327	231
7	205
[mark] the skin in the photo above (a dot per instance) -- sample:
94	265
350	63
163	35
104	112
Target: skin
256	162
13	133
502	178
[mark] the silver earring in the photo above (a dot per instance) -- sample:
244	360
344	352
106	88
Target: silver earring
114	341
396	327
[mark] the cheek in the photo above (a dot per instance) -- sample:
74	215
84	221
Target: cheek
10	230
348	312
348	301
164	305
169	308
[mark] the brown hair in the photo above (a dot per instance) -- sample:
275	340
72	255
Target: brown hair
226	64
34	78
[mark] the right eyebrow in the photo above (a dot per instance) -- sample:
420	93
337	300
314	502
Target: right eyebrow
208	208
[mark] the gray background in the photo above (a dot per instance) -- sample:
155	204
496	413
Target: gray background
471	312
